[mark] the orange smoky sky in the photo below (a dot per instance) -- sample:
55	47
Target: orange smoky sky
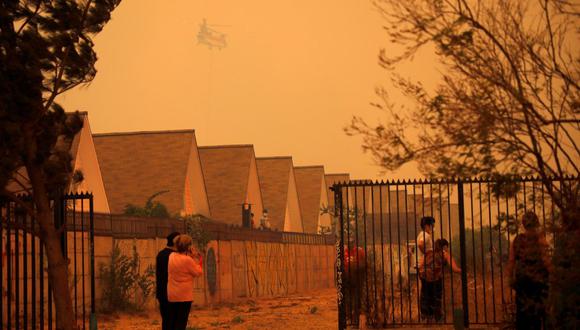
291	77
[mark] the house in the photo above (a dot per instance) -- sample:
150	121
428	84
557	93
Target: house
137	165
84	160
313	196
280	194
232	181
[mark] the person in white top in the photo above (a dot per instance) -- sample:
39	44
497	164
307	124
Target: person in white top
425	238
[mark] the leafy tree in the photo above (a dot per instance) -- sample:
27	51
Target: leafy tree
508	103
46	48
151	208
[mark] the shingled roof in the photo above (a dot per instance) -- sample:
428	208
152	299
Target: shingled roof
229	172
279	192
310	183
136	165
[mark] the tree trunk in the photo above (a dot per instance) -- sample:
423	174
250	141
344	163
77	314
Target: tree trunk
58	276
57	264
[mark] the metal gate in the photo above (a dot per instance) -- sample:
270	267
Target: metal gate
378	257
27	297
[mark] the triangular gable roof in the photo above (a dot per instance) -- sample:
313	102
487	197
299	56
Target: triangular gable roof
136	165
274	173
227	171
308	182
84	159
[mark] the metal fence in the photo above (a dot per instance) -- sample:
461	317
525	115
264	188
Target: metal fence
27	297
378	257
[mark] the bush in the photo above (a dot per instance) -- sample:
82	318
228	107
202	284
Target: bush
473	240
121	282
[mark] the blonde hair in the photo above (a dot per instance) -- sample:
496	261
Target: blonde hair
183	243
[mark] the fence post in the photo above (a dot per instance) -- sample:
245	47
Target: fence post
464	298
93	316
340	259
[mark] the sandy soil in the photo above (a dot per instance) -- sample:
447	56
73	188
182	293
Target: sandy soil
314	311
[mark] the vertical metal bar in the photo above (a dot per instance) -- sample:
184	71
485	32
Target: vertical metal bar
9	276
83	235
500	237
399	250
450	241
41	276
25	270
75	275
507	215
491	250
416	250
92	269
407	251
533	194
340	260
475	300
49	311
433	238
482	251
464	296
17	293
375	302
384	296
391	251
366	277
350	306
356	254
544	211
525	196
33	269
2	209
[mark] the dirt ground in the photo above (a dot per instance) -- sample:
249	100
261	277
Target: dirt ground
314	311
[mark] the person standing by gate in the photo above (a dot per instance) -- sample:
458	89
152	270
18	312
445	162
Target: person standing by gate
431	275
184	265
161	263
529	269
425	238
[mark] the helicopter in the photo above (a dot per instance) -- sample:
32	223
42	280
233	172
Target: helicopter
210	37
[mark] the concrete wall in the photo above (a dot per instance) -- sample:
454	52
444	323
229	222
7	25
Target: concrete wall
245	269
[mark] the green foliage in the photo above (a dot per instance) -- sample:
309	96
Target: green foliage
46	48
152	208
194	227
122	282
237	319
482	240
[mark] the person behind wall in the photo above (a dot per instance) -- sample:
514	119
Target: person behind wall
431	275
161	264
183	267
529	269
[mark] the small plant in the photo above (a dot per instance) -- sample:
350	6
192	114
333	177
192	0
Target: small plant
122	281
194	228
237	319
313	310
152	208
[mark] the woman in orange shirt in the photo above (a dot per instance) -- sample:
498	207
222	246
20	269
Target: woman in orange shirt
184	265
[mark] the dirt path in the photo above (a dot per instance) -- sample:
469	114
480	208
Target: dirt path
314	311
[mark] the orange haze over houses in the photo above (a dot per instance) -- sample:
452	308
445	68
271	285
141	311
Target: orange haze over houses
286	77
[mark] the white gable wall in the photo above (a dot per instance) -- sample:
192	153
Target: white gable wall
293	220
195	196
324	220
86	161
254	193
